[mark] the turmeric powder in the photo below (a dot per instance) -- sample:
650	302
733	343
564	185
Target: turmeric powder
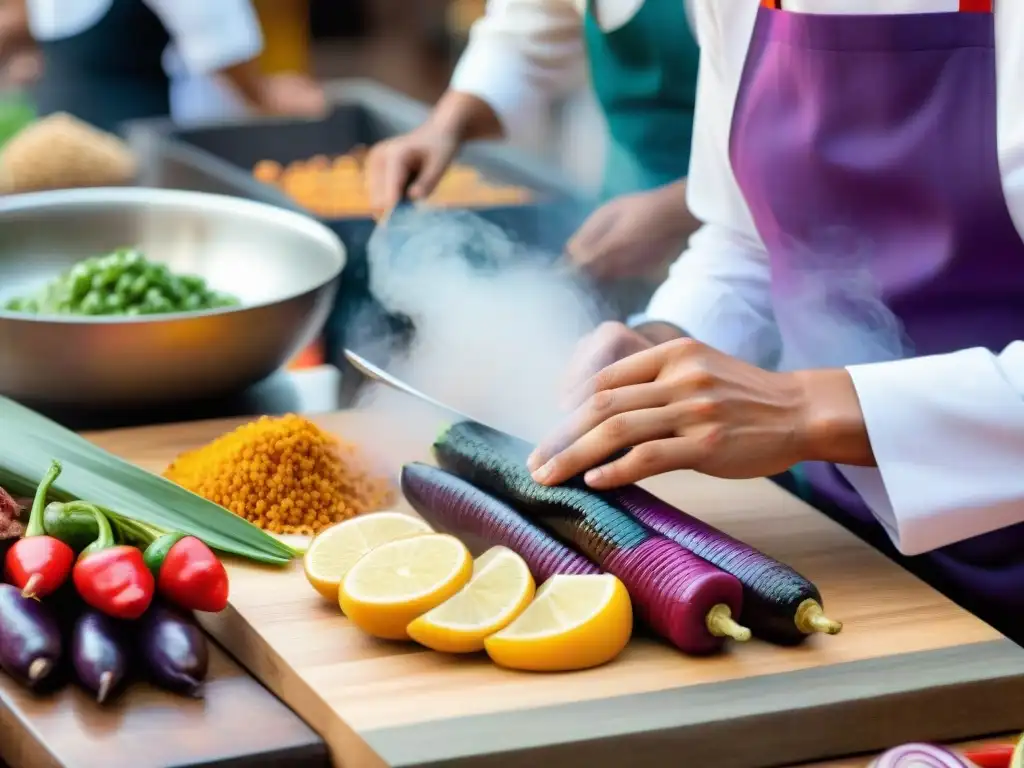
284	474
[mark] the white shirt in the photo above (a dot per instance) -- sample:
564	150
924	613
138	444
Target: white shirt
525	54
947	430
206	36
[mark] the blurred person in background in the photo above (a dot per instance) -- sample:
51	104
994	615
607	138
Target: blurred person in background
19	58
109	61
641	58
285	60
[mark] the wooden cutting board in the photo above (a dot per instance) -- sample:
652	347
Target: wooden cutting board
909	664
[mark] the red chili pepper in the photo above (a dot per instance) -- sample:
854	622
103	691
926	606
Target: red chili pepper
113	578
188	573
994	756
39	564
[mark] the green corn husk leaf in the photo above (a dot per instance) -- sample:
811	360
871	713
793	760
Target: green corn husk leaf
30	441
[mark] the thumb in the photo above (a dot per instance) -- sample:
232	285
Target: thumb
433	168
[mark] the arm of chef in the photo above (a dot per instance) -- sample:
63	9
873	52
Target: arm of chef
211	35
522	54
718	291
947	432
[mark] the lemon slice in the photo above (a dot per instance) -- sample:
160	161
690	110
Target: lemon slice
574	622
396	582
500	589
336	549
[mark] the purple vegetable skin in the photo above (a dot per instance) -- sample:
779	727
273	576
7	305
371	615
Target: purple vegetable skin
680	596
30	642
98	653
451	505
779	605
920	756
173	650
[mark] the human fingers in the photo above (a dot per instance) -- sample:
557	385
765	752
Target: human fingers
605	345
599	408
640	367
647	460
624	430
435	162
584	246
374	167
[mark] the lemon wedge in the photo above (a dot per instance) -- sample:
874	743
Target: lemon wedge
500	589
399	581
574	622
336	549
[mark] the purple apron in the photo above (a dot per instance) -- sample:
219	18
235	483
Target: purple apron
865	147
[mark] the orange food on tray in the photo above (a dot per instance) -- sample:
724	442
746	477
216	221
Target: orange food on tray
335	187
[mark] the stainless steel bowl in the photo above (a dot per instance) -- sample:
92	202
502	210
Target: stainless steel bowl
282	265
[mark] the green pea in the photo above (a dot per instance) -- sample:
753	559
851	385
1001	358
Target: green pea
114	302
78	286
92	304
139	287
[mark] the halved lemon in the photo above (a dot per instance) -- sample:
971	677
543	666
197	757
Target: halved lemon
574	622
336	549
500	589
395	583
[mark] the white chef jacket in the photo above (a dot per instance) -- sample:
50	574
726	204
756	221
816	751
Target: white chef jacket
523	55
207	36
947	430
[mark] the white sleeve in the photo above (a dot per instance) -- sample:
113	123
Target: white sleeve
718	291
523	54
211	35
948	436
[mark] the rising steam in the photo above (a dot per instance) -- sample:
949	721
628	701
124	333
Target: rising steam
495	325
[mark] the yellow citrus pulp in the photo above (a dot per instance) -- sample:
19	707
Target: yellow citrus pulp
332	553
500	589
574	622
399	581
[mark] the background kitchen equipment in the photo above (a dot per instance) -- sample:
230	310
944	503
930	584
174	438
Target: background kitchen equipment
282	265
222	157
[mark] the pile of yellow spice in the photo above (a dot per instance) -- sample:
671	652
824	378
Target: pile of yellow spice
283	474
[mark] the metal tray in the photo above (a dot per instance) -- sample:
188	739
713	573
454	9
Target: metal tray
219	157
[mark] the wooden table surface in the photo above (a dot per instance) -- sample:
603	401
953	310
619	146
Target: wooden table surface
239	723
910	665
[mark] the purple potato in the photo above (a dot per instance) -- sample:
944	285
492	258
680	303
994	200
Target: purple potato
173	650
30	642
98	653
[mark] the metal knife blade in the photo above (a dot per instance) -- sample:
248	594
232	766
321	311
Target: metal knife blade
370	370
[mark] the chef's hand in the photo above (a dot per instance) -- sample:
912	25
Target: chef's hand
683	405
293	94
608	343
422	155
633	234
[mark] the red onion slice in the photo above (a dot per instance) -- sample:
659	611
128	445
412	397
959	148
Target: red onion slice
920	756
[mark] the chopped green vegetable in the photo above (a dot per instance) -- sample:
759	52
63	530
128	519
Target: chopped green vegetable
29	443
121	283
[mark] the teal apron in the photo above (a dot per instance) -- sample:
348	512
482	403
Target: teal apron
645	77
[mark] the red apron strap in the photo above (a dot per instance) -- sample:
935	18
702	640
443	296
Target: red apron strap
968	6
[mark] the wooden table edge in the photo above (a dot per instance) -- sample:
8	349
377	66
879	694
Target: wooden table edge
974	682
